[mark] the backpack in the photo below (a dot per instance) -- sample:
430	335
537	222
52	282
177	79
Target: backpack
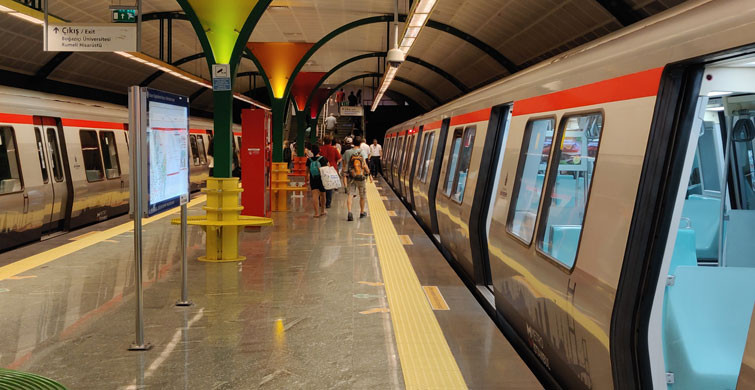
356	167
314	167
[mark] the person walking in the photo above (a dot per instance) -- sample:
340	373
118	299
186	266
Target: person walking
340	96
357	173
365	149
376	152
315	181
330	123
352	99
359	97
328	151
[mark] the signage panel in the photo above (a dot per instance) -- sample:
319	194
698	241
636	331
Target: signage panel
123	15
351	111
91	37
221	77
167	147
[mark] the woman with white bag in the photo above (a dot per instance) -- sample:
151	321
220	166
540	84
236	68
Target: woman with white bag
314	164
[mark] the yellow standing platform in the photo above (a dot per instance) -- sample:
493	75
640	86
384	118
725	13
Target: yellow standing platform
223	220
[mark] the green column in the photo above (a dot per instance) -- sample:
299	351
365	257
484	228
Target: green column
222	146
279	114
300	128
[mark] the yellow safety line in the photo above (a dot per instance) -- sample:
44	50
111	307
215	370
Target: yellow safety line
45	257
426	359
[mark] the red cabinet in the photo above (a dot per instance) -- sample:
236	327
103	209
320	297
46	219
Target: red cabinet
256	161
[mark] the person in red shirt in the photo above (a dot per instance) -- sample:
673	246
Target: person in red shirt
330	152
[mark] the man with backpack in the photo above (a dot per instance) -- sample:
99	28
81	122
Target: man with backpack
357	172
314	164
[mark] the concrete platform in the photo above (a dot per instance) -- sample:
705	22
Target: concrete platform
317	305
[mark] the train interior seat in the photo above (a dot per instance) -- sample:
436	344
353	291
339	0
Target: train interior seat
93	175
10	185
707	317
739	246
564	243
703	213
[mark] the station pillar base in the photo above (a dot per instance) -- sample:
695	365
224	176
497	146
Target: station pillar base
223	211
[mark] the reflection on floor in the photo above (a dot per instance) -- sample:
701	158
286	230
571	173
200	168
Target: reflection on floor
308	309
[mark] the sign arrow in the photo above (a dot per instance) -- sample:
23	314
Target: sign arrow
55	30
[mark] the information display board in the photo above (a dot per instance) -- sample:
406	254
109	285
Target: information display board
166	141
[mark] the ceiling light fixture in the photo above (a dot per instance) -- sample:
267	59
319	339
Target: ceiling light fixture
719	93
417	18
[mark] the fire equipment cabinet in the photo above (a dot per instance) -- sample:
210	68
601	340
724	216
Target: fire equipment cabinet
256	162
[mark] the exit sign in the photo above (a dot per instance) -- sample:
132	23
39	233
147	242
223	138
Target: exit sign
124	15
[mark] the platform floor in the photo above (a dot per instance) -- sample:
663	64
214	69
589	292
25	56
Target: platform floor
319	304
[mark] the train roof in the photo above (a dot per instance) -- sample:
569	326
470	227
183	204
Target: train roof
689	30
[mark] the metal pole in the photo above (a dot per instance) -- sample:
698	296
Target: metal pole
138	25
135	118
47	14
184	301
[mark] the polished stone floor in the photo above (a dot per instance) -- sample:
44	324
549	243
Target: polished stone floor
305	310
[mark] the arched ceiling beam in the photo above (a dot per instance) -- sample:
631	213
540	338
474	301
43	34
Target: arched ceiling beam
487	49
378	75
463	88
51	65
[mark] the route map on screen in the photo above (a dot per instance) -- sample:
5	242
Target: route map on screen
168	144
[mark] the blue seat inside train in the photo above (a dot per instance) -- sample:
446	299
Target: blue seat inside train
703	214
707	310
706	321
564	244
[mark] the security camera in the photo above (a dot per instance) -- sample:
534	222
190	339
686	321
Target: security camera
395	57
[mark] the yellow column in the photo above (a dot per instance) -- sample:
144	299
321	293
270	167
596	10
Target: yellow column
280	183
223	212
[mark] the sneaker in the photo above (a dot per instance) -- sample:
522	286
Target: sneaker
350	218
362	215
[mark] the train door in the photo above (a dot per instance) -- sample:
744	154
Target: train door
47	133
700	321
408	154
413	169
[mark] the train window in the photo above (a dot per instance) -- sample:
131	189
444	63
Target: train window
90	149
55	161
427	148
41	154
408	156
194	149
460	182
454	160
533	164
10	171
110	154
202	153
566	196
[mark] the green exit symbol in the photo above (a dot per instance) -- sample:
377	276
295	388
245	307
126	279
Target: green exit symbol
124	15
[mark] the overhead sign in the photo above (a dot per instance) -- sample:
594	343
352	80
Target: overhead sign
91	37
221	77
163	135
123	15
351	111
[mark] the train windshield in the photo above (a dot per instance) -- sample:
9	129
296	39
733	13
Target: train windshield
710	278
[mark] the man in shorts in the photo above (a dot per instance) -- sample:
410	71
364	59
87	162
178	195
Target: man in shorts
357	172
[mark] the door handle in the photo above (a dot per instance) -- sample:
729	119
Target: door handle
26	203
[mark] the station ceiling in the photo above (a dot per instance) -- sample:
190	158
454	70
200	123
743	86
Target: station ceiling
473	42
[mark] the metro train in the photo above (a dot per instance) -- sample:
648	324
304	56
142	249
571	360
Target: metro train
64	163
602	203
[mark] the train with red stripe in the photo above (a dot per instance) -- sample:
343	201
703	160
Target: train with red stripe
64	163
601	204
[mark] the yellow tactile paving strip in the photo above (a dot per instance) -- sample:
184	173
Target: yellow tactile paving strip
426	359
82	241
